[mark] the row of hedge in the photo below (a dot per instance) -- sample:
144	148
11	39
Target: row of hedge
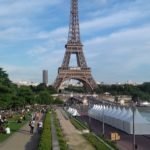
77	124
62	142
46	139
98	145
94	140
111	143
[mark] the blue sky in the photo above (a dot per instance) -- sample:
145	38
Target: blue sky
115	35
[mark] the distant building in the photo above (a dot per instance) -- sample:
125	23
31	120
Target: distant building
45	77
26	83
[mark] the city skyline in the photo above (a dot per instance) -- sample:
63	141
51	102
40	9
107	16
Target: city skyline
115	36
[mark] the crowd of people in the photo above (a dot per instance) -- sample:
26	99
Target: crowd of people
36	118
35	121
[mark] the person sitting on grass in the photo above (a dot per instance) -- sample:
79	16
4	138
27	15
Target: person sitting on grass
7	130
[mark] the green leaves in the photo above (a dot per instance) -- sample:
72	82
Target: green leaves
142	92
4	77
46	140
45	98
13	96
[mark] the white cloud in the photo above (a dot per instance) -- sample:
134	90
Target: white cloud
101	2
114	39
54	34
38	51
120	54
17	18
19	73
17	7
115	20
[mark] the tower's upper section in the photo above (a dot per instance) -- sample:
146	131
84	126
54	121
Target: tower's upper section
74	31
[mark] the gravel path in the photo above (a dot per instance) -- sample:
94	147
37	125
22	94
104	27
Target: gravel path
74	138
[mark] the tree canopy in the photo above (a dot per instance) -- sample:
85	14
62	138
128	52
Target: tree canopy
140	92
13	96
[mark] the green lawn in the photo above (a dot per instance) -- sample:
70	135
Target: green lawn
14	126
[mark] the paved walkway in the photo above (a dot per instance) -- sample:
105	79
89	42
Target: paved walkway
21	140
54	135
74	139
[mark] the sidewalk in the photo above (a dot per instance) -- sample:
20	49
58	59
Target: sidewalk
22	140
74	139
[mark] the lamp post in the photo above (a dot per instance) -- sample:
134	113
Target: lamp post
133	110
89	107
103	124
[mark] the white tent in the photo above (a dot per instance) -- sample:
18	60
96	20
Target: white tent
123	114
141	125
73	111
99	115
107	115
121	118
115	118
112	115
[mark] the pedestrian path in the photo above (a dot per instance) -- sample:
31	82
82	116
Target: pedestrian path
55	143
75	140
22	140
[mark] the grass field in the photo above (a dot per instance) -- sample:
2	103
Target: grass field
14	127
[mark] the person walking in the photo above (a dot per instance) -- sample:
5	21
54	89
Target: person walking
40	126
32	125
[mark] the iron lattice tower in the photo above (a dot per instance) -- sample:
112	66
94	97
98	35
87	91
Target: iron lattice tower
74	46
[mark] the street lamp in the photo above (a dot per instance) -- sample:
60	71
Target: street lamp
103	124
133	110
89	107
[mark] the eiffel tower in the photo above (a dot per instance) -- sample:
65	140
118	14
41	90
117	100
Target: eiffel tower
82	72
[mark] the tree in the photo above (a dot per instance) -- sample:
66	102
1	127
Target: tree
4	78
45	98
25	95
51	89
58	101
41	87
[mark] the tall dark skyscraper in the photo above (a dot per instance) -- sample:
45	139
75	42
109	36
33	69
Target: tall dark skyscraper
45	77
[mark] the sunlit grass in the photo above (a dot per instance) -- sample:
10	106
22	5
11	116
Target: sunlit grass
14	127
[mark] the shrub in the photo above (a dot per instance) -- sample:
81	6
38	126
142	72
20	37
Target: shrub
46	139
92	138
95	142
77	124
